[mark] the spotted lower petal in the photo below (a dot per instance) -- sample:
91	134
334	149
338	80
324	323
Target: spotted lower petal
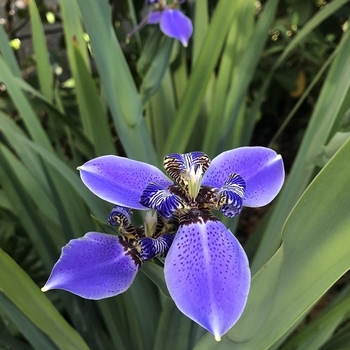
261	168
207	274
175	24
163	201
95	266
230	196
120	180
152	247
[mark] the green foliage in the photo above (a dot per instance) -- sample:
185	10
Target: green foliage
277	75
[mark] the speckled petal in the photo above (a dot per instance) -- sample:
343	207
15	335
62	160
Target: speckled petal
120	180
207	274
175	24
261	168
95	266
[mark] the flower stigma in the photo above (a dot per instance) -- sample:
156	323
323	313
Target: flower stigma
194	180
150	223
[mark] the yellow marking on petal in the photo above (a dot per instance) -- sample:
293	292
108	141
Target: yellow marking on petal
44	289
78	167
217	337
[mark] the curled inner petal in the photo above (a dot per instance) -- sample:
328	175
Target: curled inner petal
120	216
187	170
262	170
151	247
207	273
178	166
163	201
95	266
230	196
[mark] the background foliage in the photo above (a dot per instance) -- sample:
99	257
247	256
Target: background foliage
271	73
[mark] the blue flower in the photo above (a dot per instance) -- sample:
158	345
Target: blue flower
206	269
172	22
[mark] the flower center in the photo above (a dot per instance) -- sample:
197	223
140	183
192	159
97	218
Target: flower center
187	171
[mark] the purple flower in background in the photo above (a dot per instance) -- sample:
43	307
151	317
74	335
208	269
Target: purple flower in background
172	22
206	269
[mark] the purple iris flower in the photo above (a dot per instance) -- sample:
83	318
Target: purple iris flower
172	22
206	269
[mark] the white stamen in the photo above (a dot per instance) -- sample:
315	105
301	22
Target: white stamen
194	181
150	223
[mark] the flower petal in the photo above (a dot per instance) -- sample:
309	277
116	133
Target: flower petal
175	24
261	168
120	216
162	200
207	274
151	247
179	166
95	266
230	196
120	180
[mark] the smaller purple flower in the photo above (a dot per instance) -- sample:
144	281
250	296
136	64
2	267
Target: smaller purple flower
172	22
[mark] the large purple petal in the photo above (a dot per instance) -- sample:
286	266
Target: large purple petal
208	276
120	180
175	24
261	168
95	266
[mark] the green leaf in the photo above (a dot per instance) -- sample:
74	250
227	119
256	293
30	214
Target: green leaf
43	66
233	66
160	112
324	116
23	106
123	99
320	330
7	53
35	337
92	111
315	21
233	119
156	273
155	74
314	254
191	101
174	329
35	305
